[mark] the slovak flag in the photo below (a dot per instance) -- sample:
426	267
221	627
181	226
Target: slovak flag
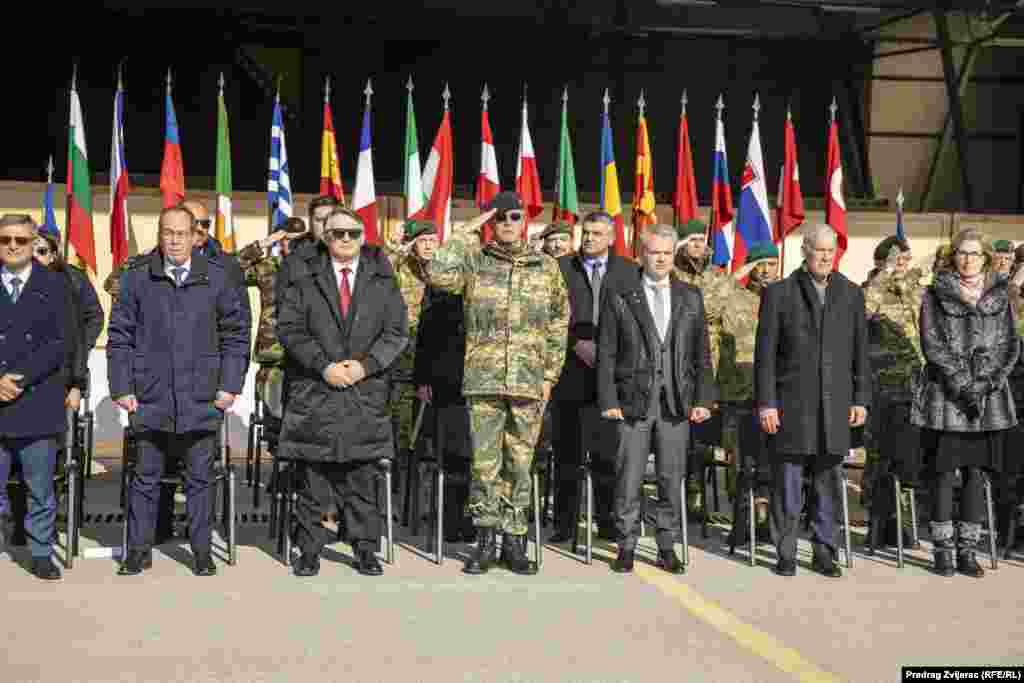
364	196
753	223
723	231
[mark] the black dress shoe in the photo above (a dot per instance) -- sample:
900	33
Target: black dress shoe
367	563
826	566
204	565
561	536
623	564
785	567
5	531
135	562
670	562
306	565
967	564
44	568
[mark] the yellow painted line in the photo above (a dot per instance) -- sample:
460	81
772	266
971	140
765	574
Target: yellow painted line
757	641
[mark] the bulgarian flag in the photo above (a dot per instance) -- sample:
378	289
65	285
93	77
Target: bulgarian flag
413	185
224	229
567	207
79	202
330	166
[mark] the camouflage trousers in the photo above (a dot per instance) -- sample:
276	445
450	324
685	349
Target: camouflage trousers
504	432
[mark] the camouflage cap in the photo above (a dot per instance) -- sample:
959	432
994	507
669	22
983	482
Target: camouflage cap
692	228
556	228
886	245
1002	246
760	251
413	228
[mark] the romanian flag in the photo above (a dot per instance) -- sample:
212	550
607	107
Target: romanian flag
610	198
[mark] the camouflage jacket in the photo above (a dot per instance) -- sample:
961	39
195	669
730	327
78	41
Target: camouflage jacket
411	274
260	269
739	333
893	305
717	286
517	317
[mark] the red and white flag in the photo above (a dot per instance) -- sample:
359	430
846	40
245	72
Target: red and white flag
437	179
487	183
684	201
790	202
527	178
835	207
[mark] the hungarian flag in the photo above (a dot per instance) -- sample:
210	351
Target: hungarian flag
437	179
643	188
224	229
487	183
120	221
684	201
172	169
413	187
364	197
79	201
835	207
567	207
611	202
330	166
527	178
723	232
790	200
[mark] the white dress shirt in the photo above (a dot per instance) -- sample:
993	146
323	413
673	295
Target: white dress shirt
7	275
169	270
353	267
652	302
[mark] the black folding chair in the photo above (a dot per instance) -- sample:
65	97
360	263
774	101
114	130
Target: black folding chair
254	452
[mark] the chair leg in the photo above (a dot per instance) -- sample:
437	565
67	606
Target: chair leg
898	489
440	516
536	518
575	514
231	521
752	520
590	515
846	518
991	523
257	467
250	448
275	501
286	521
90	442
1011	532
704	503
684	523
71	476
914	540
391	521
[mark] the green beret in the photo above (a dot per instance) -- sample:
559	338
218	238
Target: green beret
556	228
886	245
760	251
1003	246
413	228
690	228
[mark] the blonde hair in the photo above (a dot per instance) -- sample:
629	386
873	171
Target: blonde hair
969	234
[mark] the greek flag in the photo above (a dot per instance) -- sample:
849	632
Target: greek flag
279	184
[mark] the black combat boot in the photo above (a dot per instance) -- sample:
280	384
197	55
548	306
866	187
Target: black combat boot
942	542
513	555
966	562
483	555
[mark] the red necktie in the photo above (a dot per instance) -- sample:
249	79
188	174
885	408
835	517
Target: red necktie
345	292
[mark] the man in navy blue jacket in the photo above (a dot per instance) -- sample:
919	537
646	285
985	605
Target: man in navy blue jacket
177	353
33	325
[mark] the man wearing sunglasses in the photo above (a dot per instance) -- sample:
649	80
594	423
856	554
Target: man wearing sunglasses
517	321
343	324
208	246
34	322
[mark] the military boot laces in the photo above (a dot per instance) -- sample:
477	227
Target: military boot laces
513	555
480	560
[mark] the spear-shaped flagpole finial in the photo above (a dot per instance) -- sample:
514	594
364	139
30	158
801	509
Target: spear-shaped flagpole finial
720	105
220	83
607	100
757	105
446	95
525	87
409	86
327	89
74	75
832	108
684	100
641	102
565	96
120	80
49	170
169	80
277	93
485	96
900	198
368	91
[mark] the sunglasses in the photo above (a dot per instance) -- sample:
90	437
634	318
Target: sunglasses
205	223
513	216
43	251
339	233
20	241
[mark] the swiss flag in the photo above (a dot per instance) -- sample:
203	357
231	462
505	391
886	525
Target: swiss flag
835	207
437	180
527	178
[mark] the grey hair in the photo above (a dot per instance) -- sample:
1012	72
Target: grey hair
663	231
816	231
18	219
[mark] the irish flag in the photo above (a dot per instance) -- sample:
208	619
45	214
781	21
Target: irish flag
79	203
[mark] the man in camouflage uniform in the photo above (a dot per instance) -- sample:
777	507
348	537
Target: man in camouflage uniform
740	430
517	321
1003	256
557	239
893	305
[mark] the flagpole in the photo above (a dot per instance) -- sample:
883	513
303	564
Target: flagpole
641	104
271	208
409	87
69	181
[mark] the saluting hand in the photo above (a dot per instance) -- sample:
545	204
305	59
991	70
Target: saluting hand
425	393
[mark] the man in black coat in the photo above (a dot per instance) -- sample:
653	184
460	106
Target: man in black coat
34	324
177	353
812	384
306	248
653	379
589	276
343	325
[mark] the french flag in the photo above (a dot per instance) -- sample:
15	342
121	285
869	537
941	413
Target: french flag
753	223
364	197
723	231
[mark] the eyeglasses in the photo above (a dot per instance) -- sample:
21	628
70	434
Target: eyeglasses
339	233
969	254
513	216
169	236
43	251
20	241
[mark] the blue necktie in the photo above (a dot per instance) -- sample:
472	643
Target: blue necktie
15	289
179	274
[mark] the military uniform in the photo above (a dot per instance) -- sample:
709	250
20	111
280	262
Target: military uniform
517	318
260	267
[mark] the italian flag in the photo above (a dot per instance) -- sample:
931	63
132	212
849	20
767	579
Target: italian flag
224	229
79	203
567	206
413	185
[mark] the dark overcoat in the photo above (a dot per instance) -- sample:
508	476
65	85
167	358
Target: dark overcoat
33	343
174	348
441	346
812	363
323	423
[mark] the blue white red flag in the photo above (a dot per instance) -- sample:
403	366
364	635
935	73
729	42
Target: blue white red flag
753	221
722	229
364	196
120	221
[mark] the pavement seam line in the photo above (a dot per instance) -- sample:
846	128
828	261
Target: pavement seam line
757	641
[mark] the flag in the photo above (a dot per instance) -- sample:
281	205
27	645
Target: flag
437	179
684	202
487	183
527	178
611	202
901	232
835	207
279	183
79	201
330	166
753	220
722	228
120	221
49	221
567	206
643	187
413	188
364	197
172	169
224	230
790	200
